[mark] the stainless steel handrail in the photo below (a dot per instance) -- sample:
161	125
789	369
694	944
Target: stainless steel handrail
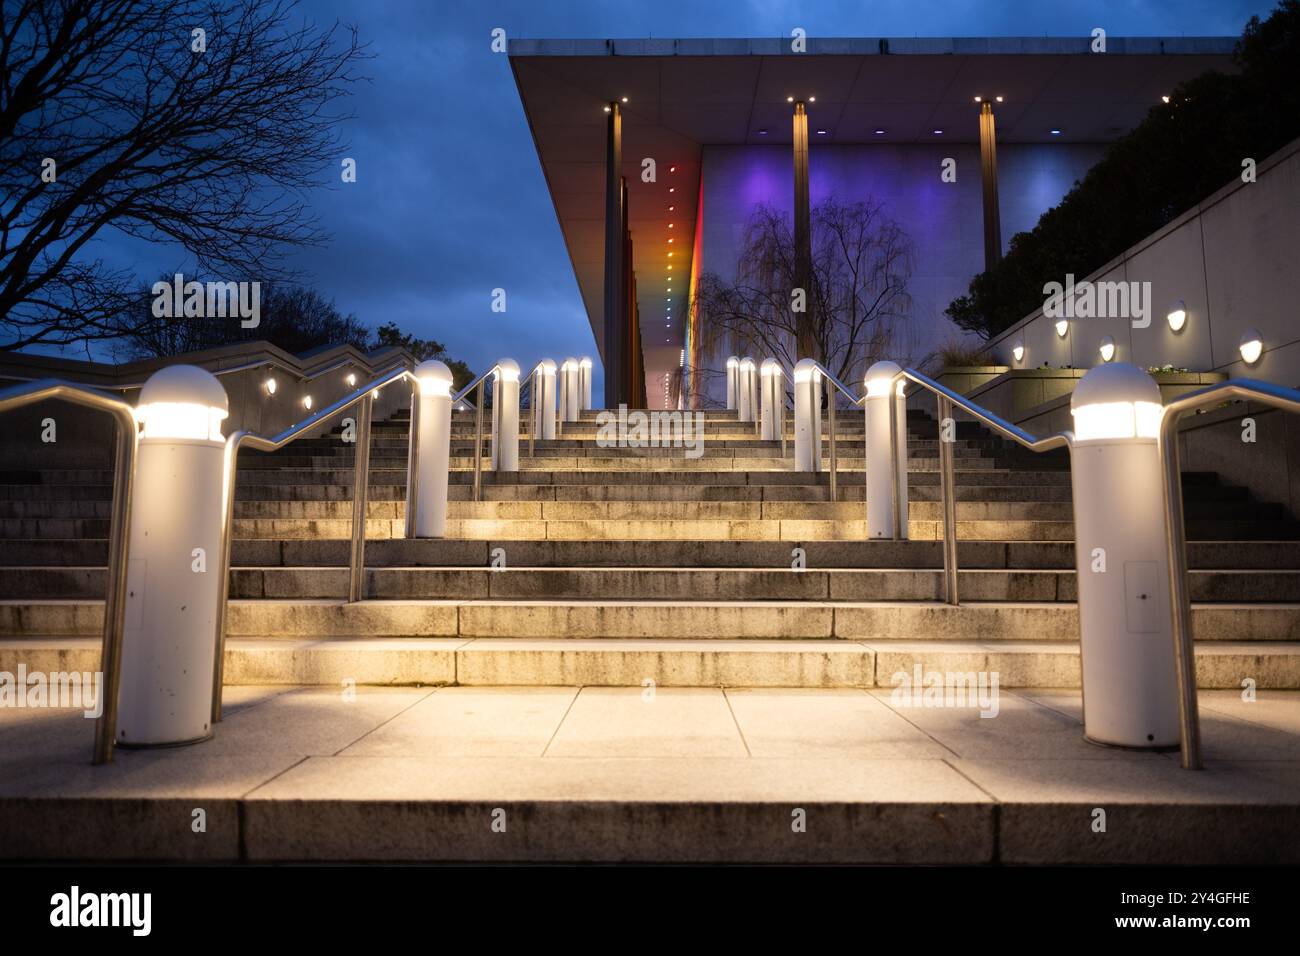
277	364
855	400
110	663
1276	396
533	408
947	398
478	384
360	493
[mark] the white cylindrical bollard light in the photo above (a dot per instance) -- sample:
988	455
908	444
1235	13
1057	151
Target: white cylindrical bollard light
745	390
173	578
433	446
544	401
571	395
733	389
1125	625
807	436
584	365
770	375
562	389
880	483
505	417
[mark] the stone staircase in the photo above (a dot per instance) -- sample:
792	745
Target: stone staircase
629	565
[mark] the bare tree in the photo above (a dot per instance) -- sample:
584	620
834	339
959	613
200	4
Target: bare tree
856	310
196	122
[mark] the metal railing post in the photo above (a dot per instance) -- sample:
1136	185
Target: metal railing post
478	442
229	465
535	423
780	417
1189	723
360	497
830	426
115	600
413	465
948	491
894	450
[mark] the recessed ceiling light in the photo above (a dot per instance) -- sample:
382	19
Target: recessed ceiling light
821	132
762	132
1056	132
880	132
937	132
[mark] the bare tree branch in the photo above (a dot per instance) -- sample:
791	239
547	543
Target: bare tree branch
213	151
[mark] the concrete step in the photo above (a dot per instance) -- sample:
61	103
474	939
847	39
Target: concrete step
658	584
640	774
637	662
402	552
992	623
722	529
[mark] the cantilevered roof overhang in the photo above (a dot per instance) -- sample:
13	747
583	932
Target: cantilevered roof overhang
685	94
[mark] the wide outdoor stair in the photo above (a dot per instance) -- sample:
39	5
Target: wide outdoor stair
622	565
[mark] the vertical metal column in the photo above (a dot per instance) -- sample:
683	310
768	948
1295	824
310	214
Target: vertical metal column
989	177
615	351
804	345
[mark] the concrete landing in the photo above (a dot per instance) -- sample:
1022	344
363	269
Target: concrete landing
689	774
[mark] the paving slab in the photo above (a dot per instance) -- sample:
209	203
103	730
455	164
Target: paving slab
471	721
804	723
648	722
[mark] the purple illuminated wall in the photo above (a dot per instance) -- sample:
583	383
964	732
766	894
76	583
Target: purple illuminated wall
944	220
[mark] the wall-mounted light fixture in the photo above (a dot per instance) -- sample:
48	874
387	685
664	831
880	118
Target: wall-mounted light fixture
1062	326
1251	346
351	379
1018	351
1177	316
270	386
1107	348
306	402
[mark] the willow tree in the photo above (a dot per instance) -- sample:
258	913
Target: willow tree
858	307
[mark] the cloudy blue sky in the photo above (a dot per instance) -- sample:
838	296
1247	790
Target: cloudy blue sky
450	201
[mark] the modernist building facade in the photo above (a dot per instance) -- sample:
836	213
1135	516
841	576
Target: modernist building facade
729	124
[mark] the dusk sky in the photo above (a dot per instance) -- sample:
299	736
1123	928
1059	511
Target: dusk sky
450	201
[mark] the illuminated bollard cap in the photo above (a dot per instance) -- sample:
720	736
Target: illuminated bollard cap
747	363
1116	402
182	403
434	377
879	376
570	364
732	362
548	367
509	370
770	367
585	361
803	370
